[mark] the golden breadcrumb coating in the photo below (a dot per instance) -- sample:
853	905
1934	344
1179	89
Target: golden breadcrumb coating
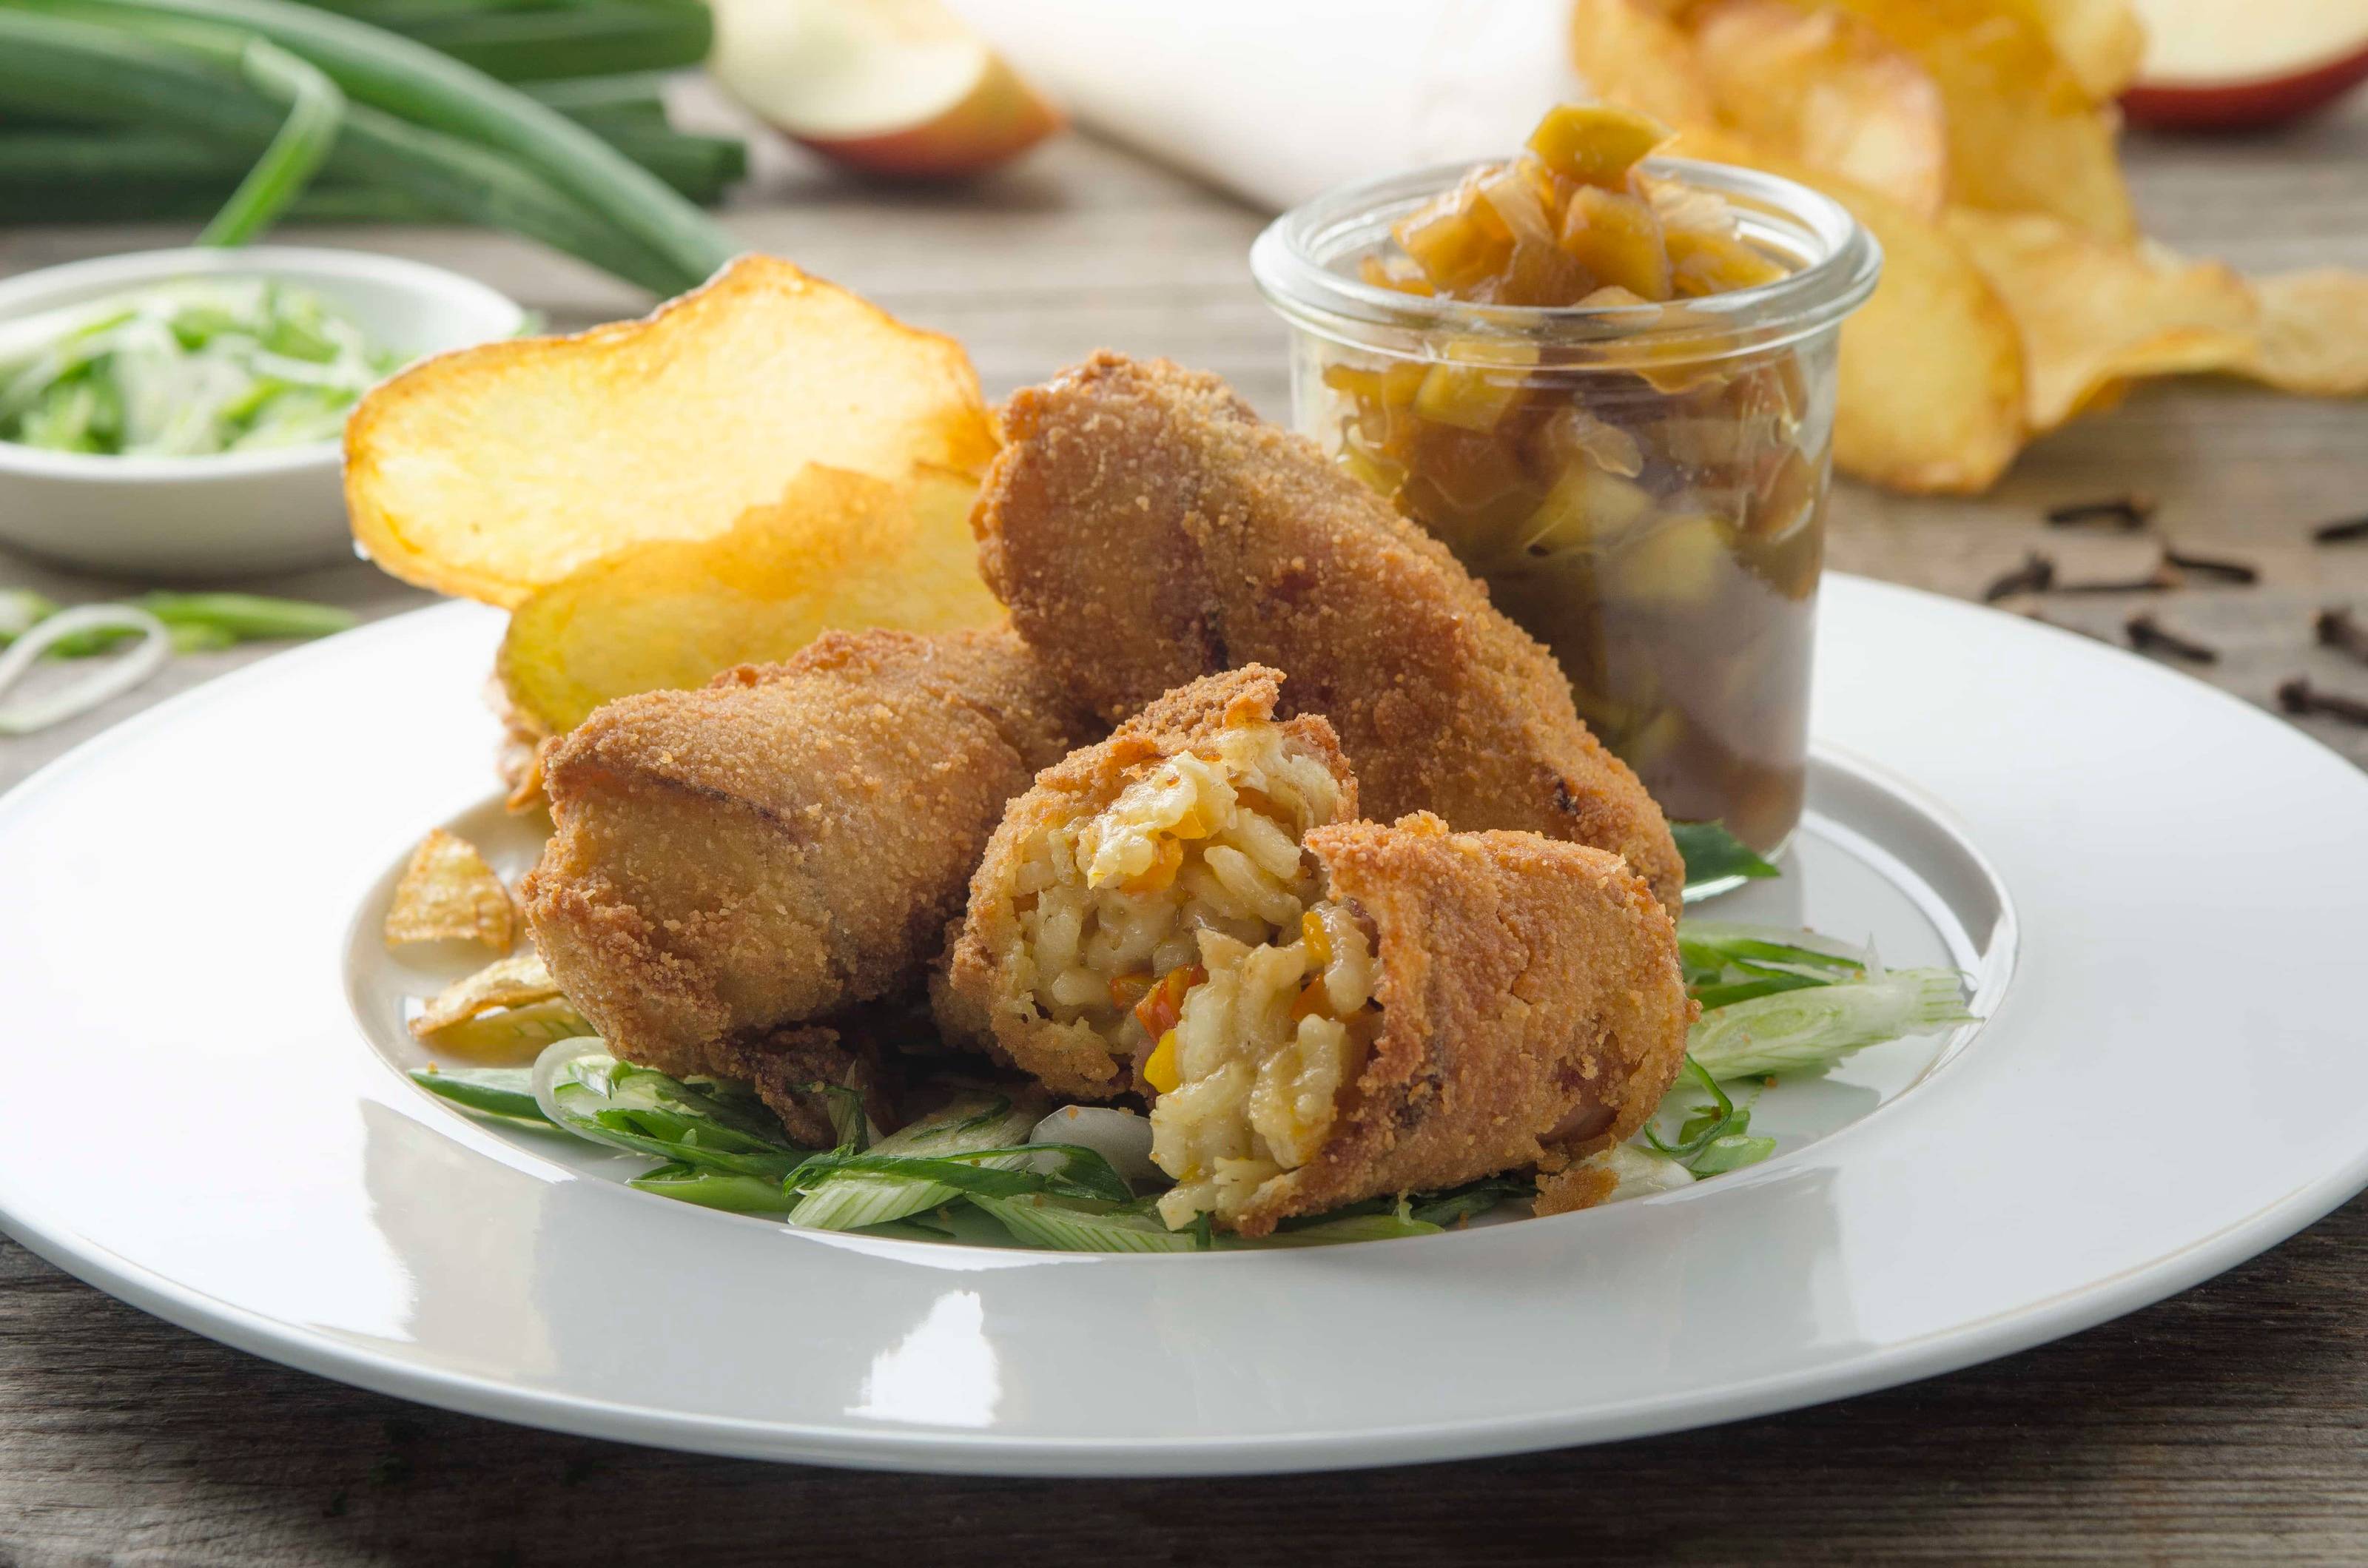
986	993
1146	529
785	1067
784	841
1533	1010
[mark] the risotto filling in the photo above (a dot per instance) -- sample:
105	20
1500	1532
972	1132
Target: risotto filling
1185	927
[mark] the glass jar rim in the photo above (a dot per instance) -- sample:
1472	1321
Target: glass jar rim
1291	261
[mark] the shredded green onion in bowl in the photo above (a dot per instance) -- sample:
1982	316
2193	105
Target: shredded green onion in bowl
191	368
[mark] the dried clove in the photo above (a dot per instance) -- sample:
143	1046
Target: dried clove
2132	512
2298	697
2350	528
2220	566
2035	575
2150	635
2339	631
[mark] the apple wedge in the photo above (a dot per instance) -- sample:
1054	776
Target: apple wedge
2234	64
894	87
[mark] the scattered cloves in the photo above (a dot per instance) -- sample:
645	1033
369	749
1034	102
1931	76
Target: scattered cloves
2130	512
2343	532
2150	635
2339	631
2298	697
2035	575
2226	569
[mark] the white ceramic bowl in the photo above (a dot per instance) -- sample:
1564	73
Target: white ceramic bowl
235	513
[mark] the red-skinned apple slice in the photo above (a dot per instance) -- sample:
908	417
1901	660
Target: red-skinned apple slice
894	87
2233	64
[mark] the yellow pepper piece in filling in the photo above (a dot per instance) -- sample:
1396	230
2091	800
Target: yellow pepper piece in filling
1159	1067
1318	941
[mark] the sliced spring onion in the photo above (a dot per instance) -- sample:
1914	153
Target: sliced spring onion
1064	1169
1715	856
505	1092
589	1093
1356	1228
1709	944
1801	1030
1705	1124
852	1198
21	609
1639	1173
187	368
1731	1151
1121	1137
118	675
1068	1225
850	1123
714	1189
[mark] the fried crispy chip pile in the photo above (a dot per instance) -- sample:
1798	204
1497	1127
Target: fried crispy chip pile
656	501
1976	138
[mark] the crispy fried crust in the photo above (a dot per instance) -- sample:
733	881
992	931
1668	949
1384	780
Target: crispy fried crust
785	1065
981	994
1533	1010
785	841
1146	528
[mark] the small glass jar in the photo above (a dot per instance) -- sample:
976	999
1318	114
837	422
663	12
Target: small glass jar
1643	487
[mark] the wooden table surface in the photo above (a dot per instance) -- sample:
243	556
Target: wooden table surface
2230	1422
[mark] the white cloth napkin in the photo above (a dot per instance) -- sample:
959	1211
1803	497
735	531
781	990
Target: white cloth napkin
1277	100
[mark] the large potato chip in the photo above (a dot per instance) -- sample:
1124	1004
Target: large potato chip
447	893
2093	315
1827	88
1931	372
512	982
2102	42
2023	135
503	468
2313	333
1629	53
837	551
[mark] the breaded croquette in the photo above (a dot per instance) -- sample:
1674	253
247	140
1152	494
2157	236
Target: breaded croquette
1146	529
783	842
1320	1010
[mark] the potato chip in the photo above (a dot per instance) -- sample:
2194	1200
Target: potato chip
503	468
511	1036
1931	373
837	551
1824	86
1630	53
512	982
2024	136
447	893
2093	315
2102	42
2313	333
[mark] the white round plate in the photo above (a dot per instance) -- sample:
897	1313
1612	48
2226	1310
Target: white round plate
2157	891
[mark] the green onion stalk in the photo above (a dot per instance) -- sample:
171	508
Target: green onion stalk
416	83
